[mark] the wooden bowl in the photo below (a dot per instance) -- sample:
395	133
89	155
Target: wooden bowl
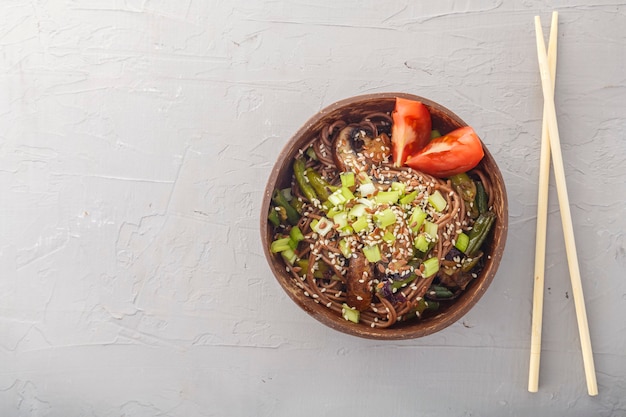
353	109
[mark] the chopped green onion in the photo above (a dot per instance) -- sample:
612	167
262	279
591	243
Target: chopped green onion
431	266
296	234
431	229
360	224
341	219
372	253
289	256
398	186
417	218
273	217
367	189
462	240
310	152
389	237
437	201
347	179
345	248
367	202
363	178
322	227
385	218
280	245
357	210
434	134
408	199
389	197
350	314
421	243
337	198
347	194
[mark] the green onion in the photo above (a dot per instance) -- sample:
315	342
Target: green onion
434	134
322	227
273	217
431	266
341	219
347	179
417	218
408	199
347	194
363	178
398	186
337	198
437	201
421	243
360	224
289	256
280	245
357	210
367	189
389	237
296	234
372	253
462	240
350	314
345	248
389	197
385	218
431	229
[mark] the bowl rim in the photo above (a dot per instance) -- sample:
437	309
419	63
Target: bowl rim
405	331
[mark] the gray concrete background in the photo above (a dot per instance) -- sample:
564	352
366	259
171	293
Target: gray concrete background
135	141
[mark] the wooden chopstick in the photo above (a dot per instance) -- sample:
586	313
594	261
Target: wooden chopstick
566	216
542	220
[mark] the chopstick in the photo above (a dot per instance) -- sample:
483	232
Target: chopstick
566	216
542	220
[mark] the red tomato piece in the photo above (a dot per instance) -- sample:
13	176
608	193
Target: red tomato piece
451	154
411	128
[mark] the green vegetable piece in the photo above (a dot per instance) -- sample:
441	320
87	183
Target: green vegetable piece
479	232
289	256
307	190
470	263
409	198
337	198
322	227
357	210
464	185
431	230
367	189
440	292
296	234
417	219
345	248
273	217
347	179
438	202
350	314
280	245
389	197
319	184
389	237
279	199
310	152
363	178
398	186
421	243
347	194
360	224
372	253
431	266
385	218
481	198
341	219
462	240
434	134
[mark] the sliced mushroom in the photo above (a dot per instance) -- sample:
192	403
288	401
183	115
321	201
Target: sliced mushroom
358	282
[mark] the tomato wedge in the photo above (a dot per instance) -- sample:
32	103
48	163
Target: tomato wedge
411	128
451	154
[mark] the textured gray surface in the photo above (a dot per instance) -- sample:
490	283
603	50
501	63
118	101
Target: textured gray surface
135	141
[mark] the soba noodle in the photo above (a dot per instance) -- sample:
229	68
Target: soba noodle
323	275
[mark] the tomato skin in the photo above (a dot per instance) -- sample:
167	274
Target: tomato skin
451	154
411	128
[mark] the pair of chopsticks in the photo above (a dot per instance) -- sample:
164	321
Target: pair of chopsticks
550	142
